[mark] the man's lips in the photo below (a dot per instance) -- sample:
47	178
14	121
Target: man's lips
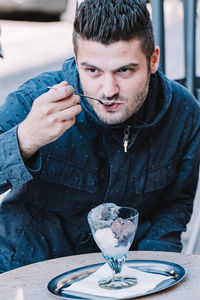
109	103
112	106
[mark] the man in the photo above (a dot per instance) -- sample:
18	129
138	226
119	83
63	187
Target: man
61	156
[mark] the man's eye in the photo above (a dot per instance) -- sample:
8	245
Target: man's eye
124	70
92	70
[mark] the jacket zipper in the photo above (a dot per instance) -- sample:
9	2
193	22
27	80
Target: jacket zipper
126	138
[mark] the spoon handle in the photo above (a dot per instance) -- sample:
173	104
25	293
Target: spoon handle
92	98
54	88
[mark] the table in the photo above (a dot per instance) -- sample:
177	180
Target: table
30	282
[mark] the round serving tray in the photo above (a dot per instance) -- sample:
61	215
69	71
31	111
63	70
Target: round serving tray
57	286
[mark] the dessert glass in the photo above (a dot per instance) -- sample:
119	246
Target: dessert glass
113	229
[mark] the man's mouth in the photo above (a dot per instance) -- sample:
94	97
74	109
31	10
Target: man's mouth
111	105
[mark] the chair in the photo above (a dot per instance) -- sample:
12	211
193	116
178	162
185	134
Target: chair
191	81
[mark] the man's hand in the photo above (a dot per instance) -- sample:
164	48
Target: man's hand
51	115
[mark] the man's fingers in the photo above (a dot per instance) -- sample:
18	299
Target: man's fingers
61	84
70	112
62	92
66	103
64	115
49	108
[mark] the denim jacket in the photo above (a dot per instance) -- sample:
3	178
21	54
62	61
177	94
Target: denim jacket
45	213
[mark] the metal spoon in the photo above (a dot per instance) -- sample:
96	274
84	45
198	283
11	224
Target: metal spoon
89	97
92	98
157	270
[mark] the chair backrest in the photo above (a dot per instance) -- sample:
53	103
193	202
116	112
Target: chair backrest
191	81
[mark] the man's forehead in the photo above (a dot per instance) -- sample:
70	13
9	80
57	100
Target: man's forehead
119	53
119	44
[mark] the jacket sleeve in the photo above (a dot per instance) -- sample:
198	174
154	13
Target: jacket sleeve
175	207
13	170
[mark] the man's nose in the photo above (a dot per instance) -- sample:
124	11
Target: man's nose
110	86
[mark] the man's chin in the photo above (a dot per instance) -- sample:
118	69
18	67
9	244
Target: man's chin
111	119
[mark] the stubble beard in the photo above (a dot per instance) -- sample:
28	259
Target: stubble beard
115	118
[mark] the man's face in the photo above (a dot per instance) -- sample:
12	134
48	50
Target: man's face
117	73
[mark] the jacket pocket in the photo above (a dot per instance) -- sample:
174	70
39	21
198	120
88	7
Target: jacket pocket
57	170
155	180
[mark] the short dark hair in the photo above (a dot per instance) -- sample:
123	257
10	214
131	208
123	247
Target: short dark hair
109	21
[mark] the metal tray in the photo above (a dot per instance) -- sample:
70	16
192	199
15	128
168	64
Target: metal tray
174	271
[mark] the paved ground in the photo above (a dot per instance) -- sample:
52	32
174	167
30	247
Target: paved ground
31	48
191	238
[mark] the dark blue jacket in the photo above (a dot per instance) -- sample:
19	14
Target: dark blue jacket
45	213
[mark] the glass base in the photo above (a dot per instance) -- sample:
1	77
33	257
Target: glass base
117	283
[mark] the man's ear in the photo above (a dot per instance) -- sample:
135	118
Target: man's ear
154	61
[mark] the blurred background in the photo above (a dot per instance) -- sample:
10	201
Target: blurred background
36	37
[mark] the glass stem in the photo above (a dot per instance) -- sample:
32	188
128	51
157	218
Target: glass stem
116	265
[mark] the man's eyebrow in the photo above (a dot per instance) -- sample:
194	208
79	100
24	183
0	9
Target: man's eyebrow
85	64
131	65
